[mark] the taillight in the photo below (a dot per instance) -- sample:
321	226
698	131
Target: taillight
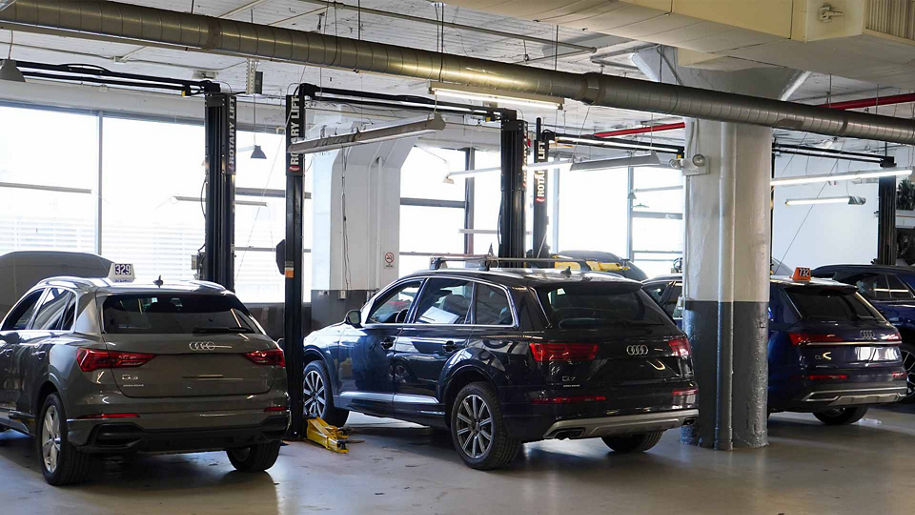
563	351
893	337
684	396
827	377
272	357
93	359
680	346
569	399
898	375
805	338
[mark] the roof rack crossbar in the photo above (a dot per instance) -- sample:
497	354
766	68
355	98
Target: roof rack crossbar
487	262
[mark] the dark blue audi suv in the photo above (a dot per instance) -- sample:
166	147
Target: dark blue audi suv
891	289
830	352
500	357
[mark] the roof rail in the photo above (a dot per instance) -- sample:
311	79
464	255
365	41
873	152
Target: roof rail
487	262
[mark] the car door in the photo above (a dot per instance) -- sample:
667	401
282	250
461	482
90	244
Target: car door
14	332
50	325
440	327
364	353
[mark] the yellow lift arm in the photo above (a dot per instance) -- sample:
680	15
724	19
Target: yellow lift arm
330	437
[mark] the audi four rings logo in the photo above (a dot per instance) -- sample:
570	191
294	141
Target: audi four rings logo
206	346
637	350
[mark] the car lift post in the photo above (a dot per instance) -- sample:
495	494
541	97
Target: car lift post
220	127
541	177
293	328
514	155
886	221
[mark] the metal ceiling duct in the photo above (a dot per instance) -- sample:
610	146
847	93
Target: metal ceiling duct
158	27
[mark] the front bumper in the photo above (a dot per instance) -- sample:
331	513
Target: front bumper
108	437
621	424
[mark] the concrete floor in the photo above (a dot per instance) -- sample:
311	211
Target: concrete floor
402	468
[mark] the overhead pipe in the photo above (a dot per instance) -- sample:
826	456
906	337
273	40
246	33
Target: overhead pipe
860	103
158	27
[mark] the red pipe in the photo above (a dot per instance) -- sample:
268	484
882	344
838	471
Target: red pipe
848	104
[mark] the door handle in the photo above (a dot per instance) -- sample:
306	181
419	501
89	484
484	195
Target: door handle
449	346
387	343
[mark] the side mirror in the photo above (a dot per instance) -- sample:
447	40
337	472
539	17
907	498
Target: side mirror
354	318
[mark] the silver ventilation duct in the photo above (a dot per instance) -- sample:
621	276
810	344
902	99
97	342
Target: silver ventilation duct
157	27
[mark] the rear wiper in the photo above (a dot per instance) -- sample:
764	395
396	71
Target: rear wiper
213	330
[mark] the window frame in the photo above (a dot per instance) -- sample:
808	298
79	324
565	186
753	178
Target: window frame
473	323
470	317
75	303
425	279
42	291
473	304
909	295
374	305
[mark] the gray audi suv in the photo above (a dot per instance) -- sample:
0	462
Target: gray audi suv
94	366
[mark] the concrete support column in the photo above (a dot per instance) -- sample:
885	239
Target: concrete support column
357	223
727	249
726	282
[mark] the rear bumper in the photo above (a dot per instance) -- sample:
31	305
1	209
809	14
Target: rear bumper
625	410
813	397
851	397
621	424
107	437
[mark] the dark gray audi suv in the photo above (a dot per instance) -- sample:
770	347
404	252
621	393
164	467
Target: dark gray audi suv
92	366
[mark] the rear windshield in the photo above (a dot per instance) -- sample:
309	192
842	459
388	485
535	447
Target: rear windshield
832	304
171	313
591	305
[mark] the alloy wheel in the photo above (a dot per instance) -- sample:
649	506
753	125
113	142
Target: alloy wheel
908	362
315	400
50	439
474	426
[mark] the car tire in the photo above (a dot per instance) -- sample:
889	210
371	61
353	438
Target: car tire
318	397
633	443
256	458
908	361
474	410
841	416
61	463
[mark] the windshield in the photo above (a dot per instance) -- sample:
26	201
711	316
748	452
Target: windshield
176	313
830	304
591	305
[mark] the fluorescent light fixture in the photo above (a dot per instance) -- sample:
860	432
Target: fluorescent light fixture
395	130
41	187
490	96
196	200
848	199
847	176
650	159
530	167
613	144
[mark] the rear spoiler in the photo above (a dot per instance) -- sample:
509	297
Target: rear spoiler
487	262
